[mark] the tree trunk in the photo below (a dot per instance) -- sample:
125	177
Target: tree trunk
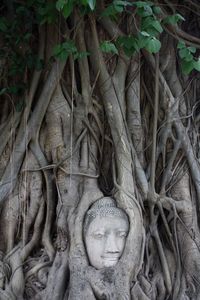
104	124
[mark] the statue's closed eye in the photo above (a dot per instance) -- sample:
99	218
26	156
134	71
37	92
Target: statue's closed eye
98	236
122	234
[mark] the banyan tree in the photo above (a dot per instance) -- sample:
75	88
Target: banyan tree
99	99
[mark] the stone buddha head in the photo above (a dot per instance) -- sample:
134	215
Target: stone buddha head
105	229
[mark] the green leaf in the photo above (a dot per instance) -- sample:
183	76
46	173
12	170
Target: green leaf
143	4
57	49
181	45
173	19
62	51
144	12
63	55
109	11
70	47
196	65
67	9
153	45
65	6
144	33
60	4
91	4
157	26
3	91
119	8
144	9
108	47
157	10
116	7
47	13
142	40
84	2
129	43
122	3
192	49
187	67
151	25
80	55
185	53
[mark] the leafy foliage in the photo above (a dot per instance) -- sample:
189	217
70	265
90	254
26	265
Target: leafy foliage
63	50
173	19
148	33
66	6
18	34
17	51
188	61
116	7
107	47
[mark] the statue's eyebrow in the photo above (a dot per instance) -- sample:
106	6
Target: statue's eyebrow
98	231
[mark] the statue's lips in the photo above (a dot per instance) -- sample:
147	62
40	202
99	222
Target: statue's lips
111	258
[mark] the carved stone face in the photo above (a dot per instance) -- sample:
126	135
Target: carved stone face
105	240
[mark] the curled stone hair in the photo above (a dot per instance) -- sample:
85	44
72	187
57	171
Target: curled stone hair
103	207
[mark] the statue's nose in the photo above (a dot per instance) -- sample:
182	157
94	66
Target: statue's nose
111	244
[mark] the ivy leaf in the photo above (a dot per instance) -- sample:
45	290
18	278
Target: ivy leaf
192	49
62	51
122	3
174	19
129	43
181	45
144	33
153	45
157	26
157	10
149	22
185	54
143	3
142	39
116	7
108	47
187	66
65	6
197	65
144	11
67	9
70	47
